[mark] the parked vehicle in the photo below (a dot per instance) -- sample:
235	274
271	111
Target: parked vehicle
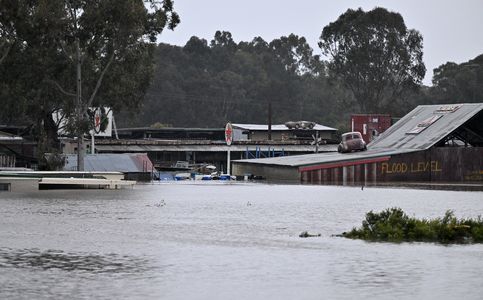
351	141
300	125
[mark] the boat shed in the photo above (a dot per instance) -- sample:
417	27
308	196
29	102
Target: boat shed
432	143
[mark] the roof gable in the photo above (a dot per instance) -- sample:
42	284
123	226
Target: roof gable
425	126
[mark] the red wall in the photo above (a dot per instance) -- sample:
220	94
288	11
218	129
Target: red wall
369	124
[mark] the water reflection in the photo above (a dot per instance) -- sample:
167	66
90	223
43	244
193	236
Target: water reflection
205	242
395	269
55	259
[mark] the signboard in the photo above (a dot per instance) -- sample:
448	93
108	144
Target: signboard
228	134
100	116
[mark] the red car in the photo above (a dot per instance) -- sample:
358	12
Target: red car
351	141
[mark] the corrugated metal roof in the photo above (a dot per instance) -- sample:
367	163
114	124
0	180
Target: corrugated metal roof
211	148
4	136
393	141
151	129
322	158
122	162
276	127
398	136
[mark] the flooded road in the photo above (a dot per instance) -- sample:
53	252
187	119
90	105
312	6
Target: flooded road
221	240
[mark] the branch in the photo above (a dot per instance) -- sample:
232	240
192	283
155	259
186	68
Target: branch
4	56
99	80
60	88
65	51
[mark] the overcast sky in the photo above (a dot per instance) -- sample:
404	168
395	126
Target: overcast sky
452	30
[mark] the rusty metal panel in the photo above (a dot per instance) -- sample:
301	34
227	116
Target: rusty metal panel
370	125
445	164
458	164
407	167
435	165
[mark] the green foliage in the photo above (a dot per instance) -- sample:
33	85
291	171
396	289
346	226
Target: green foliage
39	44
458	82
52	161
394	225
206	84
375	56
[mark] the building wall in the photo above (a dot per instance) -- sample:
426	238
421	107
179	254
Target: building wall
276	135
13	184
273	173
441	165
364	172
287	134
370	125
445	164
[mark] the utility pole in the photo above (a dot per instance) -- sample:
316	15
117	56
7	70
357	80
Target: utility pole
79	111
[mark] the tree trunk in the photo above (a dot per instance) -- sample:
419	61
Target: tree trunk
79	113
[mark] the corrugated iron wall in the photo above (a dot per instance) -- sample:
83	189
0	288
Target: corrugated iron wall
370	125
434	165
343	175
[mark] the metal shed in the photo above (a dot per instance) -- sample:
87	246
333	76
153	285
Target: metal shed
135	166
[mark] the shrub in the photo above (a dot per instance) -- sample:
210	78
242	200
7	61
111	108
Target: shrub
394	225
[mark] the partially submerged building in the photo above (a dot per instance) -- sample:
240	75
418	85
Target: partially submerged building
15	151
134	166
166	146
432	143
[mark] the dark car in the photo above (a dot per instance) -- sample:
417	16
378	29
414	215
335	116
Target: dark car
352	141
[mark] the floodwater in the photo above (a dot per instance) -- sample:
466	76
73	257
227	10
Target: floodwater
227	241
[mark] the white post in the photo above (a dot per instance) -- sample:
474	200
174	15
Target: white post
93	151
316	141
228	140
228	169
115	127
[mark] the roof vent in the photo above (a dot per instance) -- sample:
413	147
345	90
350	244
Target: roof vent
424	124
444	109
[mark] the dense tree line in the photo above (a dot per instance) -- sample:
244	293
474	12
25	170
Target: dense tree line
69	55
375	56
209	83
372	64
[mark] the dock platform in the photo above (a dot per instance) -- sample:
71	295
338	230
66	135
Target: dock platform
26	181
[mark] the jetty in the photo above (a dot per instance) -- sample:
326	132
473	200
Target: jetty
28	181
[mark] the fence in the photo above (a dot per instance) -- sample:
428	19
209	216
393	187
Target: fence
7	161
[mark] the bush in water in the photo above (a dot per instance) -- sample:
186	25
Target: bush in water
394	225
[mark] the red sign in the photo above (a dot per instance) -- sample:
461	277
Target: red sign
228	134
97	120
